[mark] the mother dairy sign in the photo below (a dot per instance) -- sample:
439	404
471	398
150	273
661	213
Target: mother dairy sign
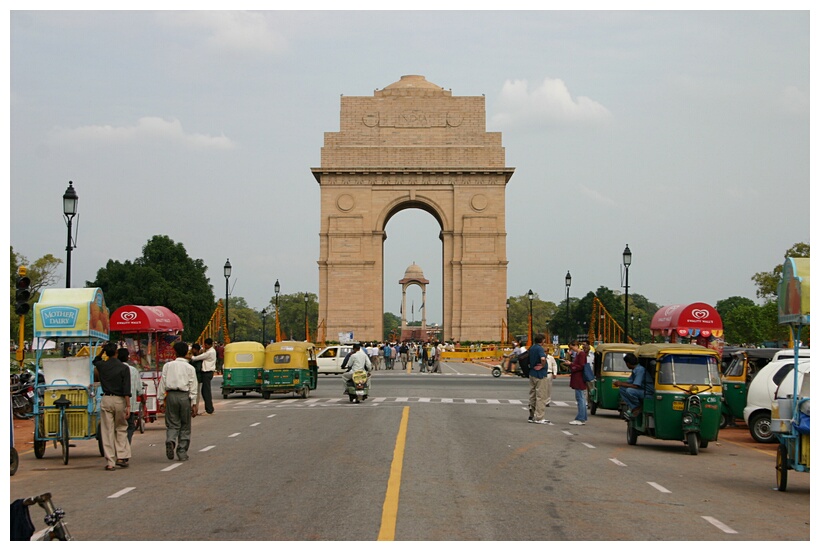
71	313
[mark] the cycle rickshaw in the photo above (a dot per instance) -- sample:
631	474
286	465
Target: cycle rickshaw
66	399
790	410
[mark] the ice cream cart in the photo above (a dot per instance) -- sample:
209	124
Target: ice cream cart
149	333
67	400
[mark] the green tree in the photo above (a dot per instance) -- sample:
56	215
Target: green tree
743	325
767	282
726	306
392	322
163	276
292	316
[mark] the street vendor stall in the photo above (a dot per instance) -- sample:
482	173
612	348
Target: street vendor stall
149	333
698	322
790	409
67	400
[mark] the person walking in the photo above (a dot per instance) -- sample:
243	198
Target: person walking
538	382
208	367
576	382
177	393
115	380
136	391
552	373
196	349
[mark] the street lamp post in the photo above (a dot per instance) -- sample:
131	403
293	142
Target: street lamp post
529	335
70	200
276	304
600	327
627	262
234	330
307	327
226	271
568	282
508	322
264	317
640	330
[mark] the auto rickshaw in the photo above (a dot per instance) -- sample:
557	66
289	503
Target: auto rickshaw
609	366
244	364
735	379
683	400
67	400
290	366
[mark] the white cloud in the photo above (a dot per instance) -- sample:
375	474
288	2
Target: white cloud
147	129
597	196
548	104
236	31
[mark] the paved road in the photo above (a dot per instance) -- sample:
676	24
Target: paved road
430	457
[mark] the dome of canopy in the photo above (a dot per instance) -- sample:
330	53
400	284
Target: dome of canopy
413	273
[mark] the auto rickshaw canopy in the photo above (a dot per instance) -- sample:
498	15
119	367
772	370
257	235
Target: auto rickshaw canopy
652	350
145	319
73	312
687	320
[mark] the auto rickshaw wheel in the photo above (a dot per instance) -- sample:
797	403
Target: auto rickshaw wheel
64	438
224	395
631	434
724	420
265	395
593	407
782	467
693	442
305	392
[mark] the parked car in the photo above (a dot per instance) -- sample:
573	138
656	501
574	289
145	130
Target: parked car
330	358
758	410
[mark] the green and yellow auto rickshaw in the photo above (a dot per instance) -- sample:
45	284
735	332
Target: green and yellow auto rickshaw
609	366
242	371
683	395
290	366
737	376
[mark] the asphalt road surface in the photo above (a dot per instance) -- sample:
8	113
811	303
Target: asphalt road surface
429	457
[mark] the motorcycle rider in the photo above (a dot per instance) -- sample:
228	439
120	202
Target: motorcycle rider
356	361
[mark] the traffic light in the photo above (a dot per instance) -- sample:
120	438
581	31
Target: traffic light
23	293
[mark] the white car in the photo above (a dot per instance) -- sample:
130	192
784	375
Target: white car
329	360
758	410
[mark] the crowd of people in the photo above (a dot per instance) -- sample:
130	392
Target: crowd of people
407	355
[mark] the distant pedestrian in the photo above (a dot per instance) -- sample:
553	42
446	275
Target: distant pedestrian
538	382
576	382
177	392
136	391
552	373
208	367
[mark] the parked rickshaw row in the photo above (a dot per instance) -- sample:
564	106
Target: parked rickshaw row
278	368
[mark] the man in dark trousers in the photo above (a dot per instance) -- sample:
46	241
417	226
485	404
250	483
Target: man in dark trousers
177	391
115	380
208	359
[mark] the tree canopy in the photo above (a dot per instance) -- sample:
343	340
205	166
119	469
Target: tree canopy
163	276
767	282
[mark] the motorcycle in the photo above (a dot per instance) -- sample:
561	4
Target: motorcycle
358	387
511	367
23	528
22	395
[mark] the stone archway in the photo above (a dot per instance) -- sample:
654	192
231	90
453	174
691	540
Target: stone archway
413	145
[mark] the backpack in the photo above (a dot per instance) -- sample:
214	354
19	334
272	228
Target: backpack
524	363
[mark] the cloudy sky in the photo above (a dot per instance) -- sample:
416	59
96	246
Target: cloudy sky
682	134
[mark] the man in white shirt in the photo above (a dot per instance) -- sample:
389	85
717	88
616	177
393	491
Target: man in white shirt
177	392
208	367
552	373
358	361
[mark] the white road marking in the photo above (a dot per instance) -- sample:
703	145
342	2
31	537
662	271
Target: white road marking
568	433
715	522
470	401
659	487
243	402
617	462
172	467
424	399
255	424
271	415
207	448
122	492
588	445
447	400
516	402
493	401
234	435
379	399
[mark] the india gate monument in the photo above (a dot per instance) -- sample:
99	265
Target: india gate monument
413	145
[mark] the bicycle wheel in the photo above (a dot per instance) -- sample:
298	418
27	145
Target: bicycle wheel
64	437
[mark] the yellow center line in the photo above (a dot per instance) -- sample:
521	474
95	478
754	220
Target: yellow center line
390	509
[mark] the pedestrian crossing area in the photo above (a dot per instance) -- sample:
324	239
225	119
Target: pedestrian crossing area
319	402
